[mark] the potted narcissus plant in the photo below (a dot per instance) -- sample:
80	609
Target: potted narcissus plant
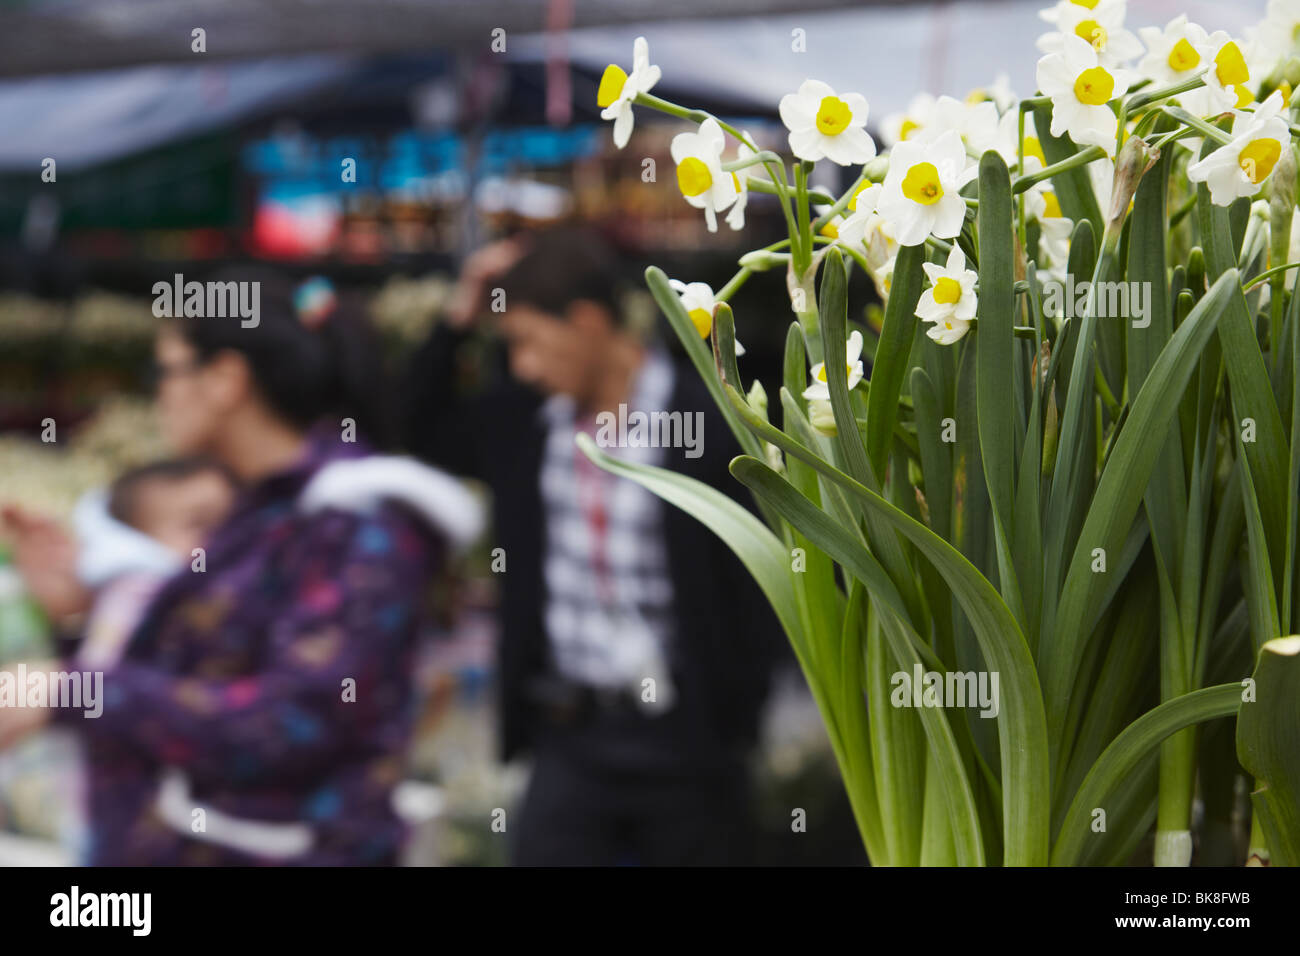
1035	534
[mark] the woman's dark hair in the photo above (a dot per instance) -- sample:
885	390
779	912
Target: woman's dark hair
306	371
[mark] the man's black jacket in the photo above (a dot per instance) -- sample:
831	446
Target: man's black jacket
727	638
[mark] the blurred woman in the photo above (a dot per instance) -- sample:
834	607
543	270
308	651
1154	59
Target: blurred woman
269	685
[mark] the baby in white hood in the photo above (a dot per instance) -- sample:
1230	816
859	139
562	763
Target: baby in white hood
136	535
132	538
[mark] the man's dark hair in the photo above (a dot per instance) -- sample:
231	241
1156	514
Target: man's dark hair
124	493
563	265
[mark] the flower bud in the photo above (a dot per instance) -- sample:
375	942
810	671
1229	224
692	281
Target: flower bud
822	417
1135	158
757	399
775	460
1281	206
760	260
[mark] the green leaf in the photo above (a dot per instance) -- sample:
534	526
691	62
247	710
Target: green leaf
1266	746
848	552
762	553
833	305
1118	496
1148	251
1126	751
995	349
1022	731
1073	187
890	365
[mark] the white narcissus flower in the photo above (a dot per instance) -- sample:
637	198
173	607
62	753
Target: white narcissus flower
1101	26
1080	89
883	277
1066	8
1101	173
951	295
700	176
736	215
950	301
1278	34
820	390
1008	141
919	114
1054	228
1240	168
825	125
852	229
999	92
618	89
866	229
1176	53
921	194
698	301
976	122
1226	81
949	331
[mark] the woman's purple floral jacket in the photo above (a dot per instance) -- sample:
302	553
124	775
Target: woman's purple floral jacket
277	681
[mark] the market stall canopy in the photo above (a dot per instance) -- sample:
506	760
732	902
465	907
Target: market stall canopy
59	36
709	51
84	120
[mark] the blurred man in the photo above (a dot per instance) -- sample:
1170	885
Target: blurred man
635	649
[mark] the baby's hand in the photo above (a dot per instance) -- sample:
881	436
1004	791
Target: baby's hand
17	722
46	557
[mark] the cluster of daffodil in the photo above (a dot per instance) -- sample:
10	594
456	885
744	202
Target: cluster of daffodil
1095	496
1090	62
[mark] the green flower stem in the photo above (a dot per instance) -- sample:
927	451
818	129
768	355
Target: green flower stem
843	202
857	257
802	249
1103	389
766	187
1268	274
734	284
765	156
1137	102
1081	158
695	116
1182	211
1021	331
1167	138
1198	124
699	116
938	245
1020	167
1252	244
